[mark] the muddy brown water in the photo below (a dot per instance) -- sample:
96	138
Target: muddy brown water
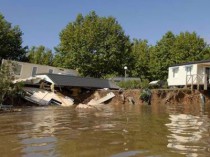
117	131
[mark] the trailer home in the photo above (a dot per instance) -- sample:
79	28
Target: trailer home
193	74
25	70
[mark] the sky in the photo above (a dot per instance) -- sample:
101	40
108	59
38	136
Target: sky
41	21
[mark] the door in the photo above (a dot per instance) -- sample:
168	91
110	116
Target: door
207	72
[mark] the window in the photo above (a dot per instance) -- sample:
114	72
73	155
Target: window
175	71
18	69
50	71
34	70
188	70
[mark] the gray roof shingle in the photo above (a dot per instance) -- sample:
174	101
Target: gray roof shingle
76	81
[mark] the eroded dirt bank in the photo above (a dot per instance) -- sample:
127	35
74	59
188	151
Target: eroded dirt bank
159	96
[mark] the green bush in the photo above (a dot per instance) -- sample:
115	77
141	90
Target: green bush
134	84
146	95
145	84
130	84
7	88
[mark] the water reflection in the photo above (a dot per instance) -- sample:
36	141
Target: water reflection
129	153
131	130
39	140
187	134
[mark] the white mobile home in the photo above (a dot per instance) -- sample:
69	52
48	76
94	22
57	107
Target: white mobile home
190	74
25	70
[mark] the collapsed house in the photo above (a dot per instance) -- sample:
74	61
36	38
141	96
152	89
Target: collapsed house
45	89
44	85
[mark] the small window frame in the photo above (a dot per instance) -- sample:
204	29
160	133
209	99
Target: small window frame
175	71
50	70
32	71
188	69
20	70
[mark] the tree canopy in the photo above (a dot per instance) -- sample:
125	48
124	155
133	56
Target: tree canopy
7	87
98	47
40	55
162	56
10	41
175	49
141	53
189	47
95	46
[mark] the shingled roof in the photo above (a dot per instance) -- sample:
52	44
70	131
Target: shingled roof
193	62
76	81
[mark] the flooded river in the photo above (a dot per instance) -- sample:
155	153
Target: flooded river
117	131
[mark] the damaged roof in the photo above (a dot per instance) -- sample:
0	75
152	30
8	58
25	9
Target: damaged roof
76	81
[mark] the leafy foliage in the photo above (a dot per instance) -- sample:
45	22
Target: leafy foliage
162	56
134	84
141	53
175	49
95	46
98	47
144	83
10	41
40	55
189	47
7	88
130	84
146	95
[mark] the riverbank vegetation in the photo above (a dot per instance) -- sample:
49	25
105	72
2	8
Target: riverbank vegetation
98	47
8	90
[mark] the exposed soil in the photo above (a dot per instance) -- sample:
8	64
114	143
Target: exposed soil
159	96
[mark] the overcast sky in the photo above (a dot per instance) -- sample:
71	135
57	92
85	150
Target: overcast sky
42	20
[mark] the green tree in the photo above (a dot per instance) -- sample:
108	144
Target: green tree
207	54
171	50
95	46
40	55
189	47
7	88
161	56
10	41
141	53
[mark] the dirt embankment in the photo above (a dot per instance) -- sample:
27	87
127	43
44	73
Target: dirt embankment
160	96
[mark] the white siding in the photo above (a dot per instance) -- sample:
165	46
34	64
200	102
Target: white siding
201	70
179	79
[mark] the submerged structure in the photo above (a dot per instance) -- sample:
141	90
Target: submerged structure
44	85
45	97
45	89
